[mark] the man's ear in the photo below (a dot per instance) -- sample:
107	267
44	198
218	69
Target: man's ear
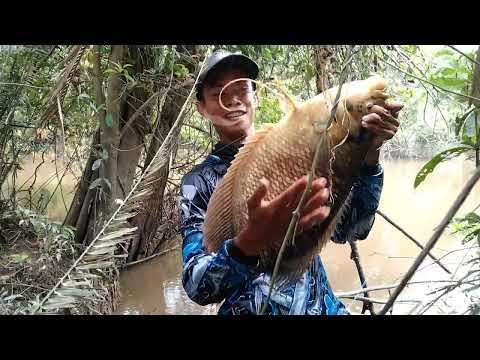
201	108
255	100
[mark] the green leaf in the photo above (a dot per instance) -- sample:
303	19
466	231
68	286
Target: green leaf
109	120
128	77
310	71
110	71
96	164
450	82
19	258
472	218
447	52
180	71
100	108
437	159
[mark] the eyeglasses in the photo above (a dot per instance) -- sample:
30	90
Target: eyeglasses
240	89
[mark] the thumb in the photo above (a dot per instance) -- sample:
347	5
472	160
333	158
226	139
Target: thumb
256	199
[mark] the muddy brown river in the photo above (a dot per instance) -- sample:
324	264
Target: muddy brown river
155	287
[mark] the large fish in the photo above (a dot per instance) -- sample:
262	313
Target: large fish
283	152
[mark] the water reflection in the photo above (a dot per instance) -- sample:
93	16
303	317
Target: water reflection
177	301
155	287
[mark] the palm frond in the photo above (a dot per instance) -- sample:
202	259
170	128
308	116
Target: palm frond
59	91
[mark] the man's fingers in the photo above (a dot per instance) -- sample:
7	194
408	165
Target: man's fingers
387	114
320	198
256	199
290	197
318	184
371	121
394	108
315	216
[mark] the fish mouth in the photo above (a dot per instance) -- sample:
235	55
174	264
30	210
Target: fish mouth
235	114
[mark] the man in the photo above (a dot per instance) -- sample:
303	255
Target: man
231	275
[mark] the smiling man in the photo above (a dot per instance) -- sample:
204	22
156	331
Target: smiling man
232	275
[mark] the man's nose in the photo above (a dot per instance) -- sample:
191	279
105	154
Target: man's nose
232	100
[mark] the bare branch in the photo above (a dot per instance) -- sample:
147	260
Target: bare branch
461	52
413	239
127	265
137	113
431	243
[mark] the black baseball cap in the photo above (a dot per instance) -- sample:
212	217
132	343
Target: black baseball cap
221	58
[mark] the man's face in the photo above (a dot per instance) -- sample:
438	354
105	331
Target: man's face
234	122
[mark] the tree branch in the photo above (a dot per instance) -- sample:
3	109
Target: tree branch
461	52
137	113
431	243
355	256
413	239
149	257
428	82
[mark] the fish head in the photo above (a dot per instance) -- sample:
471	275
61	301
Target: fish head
357	100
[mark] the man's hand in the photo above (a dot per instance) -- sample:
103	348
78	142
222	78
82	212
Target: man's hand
268	220
383	123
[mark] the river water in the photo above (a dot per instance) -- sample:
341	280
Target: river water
155	287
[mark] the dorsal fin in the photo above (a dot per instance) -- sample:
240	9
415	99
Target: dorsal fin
287	98
218	225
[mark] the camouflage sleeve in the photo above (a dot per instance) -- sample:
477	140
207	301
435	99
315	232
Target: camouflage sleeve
207	278
361	204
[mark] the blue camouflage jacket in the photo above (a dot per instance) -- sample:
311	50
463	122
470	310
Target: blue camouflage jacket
234	279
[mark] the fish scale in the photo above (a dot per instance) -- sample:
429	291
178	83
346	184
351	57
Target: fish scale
282	153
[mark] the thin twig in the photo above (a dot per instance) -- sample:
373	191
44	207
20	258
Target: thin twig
435	99
386	287
355	256
367	300
437	261
137	113
60	115
428	82
431	243
25	285
27	85
461	52
149	257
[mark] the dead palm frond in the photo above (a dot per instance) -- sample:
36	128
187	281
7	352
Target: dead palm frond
83	280
53	104
59	91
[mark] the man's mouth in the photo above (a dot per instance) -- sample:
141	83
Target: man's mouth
235	114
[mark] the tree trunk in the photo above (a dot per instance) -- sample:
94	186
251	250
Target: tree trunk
322	56
133	134
476	93
90	205
81	193
150	218
110	133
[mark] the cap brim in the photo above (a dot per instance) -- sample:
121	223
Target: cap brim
236	61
